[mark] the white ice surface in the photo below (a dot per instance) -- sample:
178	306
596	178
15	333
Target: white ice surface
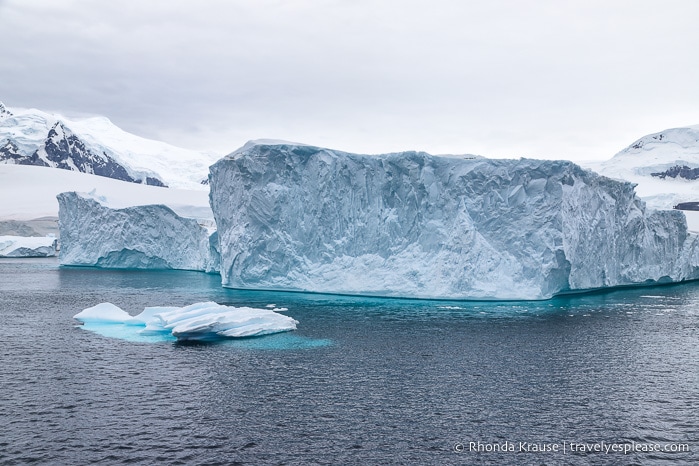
103	313
657	153
201	321
27	246
28	192
410	224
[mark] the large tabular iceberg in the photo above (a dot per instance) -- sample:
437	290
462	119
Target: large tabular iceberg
149	236
27	246
294	217
201	321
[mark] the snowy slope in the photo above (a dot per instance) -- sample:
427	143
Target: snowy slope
656	163
22	246
96	145
664	166
28	192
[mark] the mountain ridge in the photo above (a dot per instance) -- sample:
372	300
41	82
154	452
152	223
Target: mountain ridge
97	146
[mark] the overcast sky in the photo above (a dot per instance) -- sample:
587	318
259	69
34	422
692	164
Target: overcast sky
548	79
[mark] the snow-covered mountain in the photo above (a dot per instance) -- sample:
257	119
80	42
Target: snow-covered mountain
664	165
97	146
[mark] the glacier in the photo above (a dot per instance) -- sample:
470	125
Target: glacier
664	165
95	145
93	233
207	321
303	218
27	246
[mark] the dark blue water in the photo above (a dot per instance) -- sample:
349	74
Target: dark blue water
362	381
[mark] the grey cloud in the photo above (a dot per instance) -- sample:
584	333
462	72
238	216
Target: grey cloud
549	79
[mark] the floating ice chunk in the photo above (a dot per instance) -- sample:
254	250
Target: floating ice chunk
105	313
201	321
225	321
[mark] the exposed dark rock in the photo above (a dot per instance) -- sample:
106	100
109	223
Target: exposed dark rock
687	206
63	149
152	181
11	153
679	171
4	112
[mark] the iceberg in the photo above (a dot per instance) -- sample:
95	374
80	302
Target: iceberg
27	246
303	218
206	321
142	237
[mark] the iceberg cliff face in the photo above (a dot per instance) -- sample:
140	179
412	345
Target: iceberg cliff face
142	237
294	217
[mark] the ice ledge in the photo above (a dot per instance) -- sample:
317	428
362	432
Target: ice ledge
141	237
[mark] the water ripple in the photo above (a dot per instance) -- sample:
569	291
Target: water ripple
363	381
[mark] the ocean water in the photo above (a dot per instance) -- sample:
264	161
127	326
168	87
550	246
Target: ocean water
362	380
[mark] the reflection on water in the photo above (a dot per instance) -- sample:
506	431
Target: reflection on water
277	341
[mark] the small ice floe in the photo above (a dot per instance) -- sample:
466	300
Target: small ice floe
275	308
206	321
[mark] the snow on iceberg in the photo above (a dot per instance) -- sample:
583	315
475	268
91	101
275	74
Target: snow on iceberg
201	321
27	246
141	237
409	224
105	313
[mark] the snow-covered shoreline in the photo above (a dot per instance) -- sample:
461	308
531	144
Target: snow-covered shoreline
27	246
